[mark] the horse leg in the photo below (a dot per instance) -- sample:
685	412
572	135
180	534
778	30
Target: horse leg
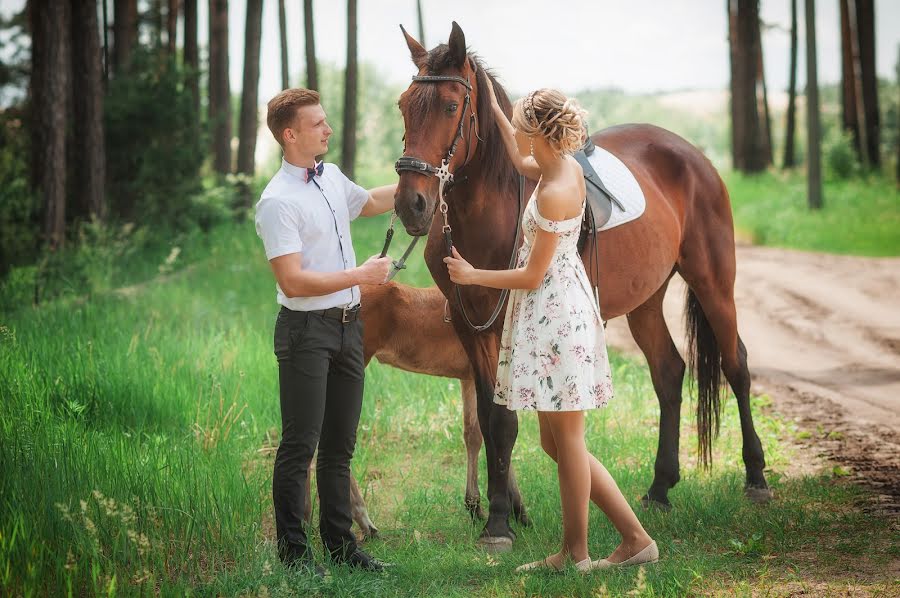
360	512
515	497
499	427
473	440
648	327
713	301
722	315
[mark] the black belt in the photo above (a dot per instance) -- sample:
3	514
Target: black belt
343	314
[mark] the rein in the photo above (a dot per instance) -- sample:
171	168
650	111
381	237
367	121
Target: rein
445	182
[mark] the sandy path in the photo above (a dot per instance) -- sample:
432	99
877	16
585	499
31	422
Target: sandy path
823	337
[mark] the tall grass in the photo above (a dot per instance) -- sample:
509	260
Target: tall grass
136	435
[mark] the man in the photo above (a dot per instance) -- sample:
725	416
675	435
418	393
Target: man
303	218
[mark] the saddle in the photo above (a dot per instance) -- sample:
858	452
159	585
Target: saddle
599	199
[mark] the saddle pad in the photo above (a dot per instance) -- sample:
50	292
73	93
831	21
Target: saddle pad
623	186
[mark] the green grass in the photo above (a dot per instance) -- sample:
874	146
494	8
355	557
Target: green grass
860	216
134	431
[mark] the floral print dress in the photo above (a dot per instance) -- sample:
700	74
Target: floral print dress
553	348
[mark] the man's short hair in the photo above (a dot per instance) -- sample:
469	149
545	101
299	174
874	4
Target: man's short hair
283	109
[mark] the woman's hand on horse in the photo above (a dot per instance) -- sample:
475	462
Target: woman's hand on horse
461	271
493	96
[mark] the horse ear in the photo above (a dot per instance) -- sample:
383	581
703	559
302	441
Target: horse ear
416	50
457	45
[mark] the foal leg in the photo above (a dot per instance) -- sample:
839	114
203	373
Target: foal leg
473	441
648	327
360	512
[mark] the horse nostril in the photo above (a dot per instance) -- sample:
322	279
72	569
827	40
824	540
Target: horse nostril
420	203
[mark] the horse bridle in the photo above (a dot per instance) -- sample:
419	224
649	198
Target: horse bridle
445	177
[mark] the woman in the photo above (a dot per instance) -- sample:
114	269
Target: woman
553	351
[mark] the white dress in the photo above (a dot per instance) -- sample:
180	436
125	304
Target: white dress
553	348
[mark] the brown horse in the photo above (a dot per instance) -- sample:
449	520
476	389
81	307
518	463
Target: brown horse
435	350
687	228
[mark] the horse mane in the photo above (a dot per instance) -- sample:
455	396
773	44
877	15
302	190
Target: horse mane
502	175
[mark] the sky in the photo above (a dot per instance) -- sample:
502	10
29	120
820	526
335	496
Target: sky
634	45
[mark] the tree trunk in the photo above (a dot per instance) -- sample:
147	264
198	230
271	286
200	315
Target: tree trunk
421	23
172	27
791	125
219	87
312	71
105	43
762	99
282	28
859	84
814	158
191	56
88	141
865	22
250	89
748	137
51	67
348	146
125	30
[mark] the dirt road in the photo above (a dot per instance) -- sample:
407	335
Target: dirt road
823	337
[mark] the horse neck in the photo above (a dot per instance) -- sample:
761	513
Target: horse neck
485	217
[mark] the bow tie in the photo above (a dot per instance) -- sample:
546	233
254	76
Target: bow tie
309	173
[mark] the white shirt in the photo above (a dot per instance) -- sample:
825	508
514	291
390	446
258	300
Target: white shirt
313	219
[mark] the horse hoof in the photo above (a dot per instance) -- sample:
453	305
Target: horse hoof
524	520
649	503
758	496
495	544
475	511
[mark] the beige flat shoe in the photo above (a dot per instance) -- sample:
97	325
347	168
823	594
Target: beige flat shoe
581	566
650	554
538	565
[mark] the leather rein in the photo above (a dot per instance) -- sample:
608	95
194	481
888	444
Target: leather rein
445	182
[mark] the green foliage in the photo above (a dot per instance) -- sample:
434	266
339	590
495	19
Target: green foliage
840	158
19	218
155	144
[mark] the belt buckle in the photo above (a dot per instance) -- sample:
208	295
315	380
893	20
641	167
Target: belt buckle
344	313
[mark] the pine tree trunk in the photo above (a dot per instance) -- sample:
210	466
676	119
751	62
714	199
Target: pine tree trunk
172	27
762	98
748	136
191	54
50	92
865	28
250	90
88	141
312	70
791	125
421	23
348	146
219	88
813	136
125	30
282	28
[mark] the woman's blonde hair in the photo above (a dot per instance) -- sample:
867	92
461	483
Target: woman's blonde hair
550	114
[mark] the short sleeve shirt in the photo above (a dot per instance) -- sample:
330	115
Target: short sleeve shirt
312	219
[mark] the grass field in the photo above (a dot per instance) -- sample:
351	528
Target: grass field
136	431
861	216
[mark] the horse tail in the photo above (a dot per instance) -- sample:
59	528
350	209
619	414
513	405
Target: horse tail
705	362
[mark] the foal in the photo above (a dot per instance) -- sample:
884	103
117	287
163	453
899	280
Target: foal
431	348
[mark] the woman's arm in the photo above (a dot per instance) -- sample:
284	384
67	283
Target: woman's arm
527	166
531	274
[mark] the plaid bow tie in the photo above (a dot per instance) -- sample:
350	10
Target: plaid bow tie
311	172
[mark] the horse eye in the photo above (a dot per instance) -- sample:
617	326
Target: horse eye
451	108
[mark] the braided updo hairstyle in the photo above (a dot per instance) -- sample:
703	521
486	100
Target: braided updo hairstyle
550	114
